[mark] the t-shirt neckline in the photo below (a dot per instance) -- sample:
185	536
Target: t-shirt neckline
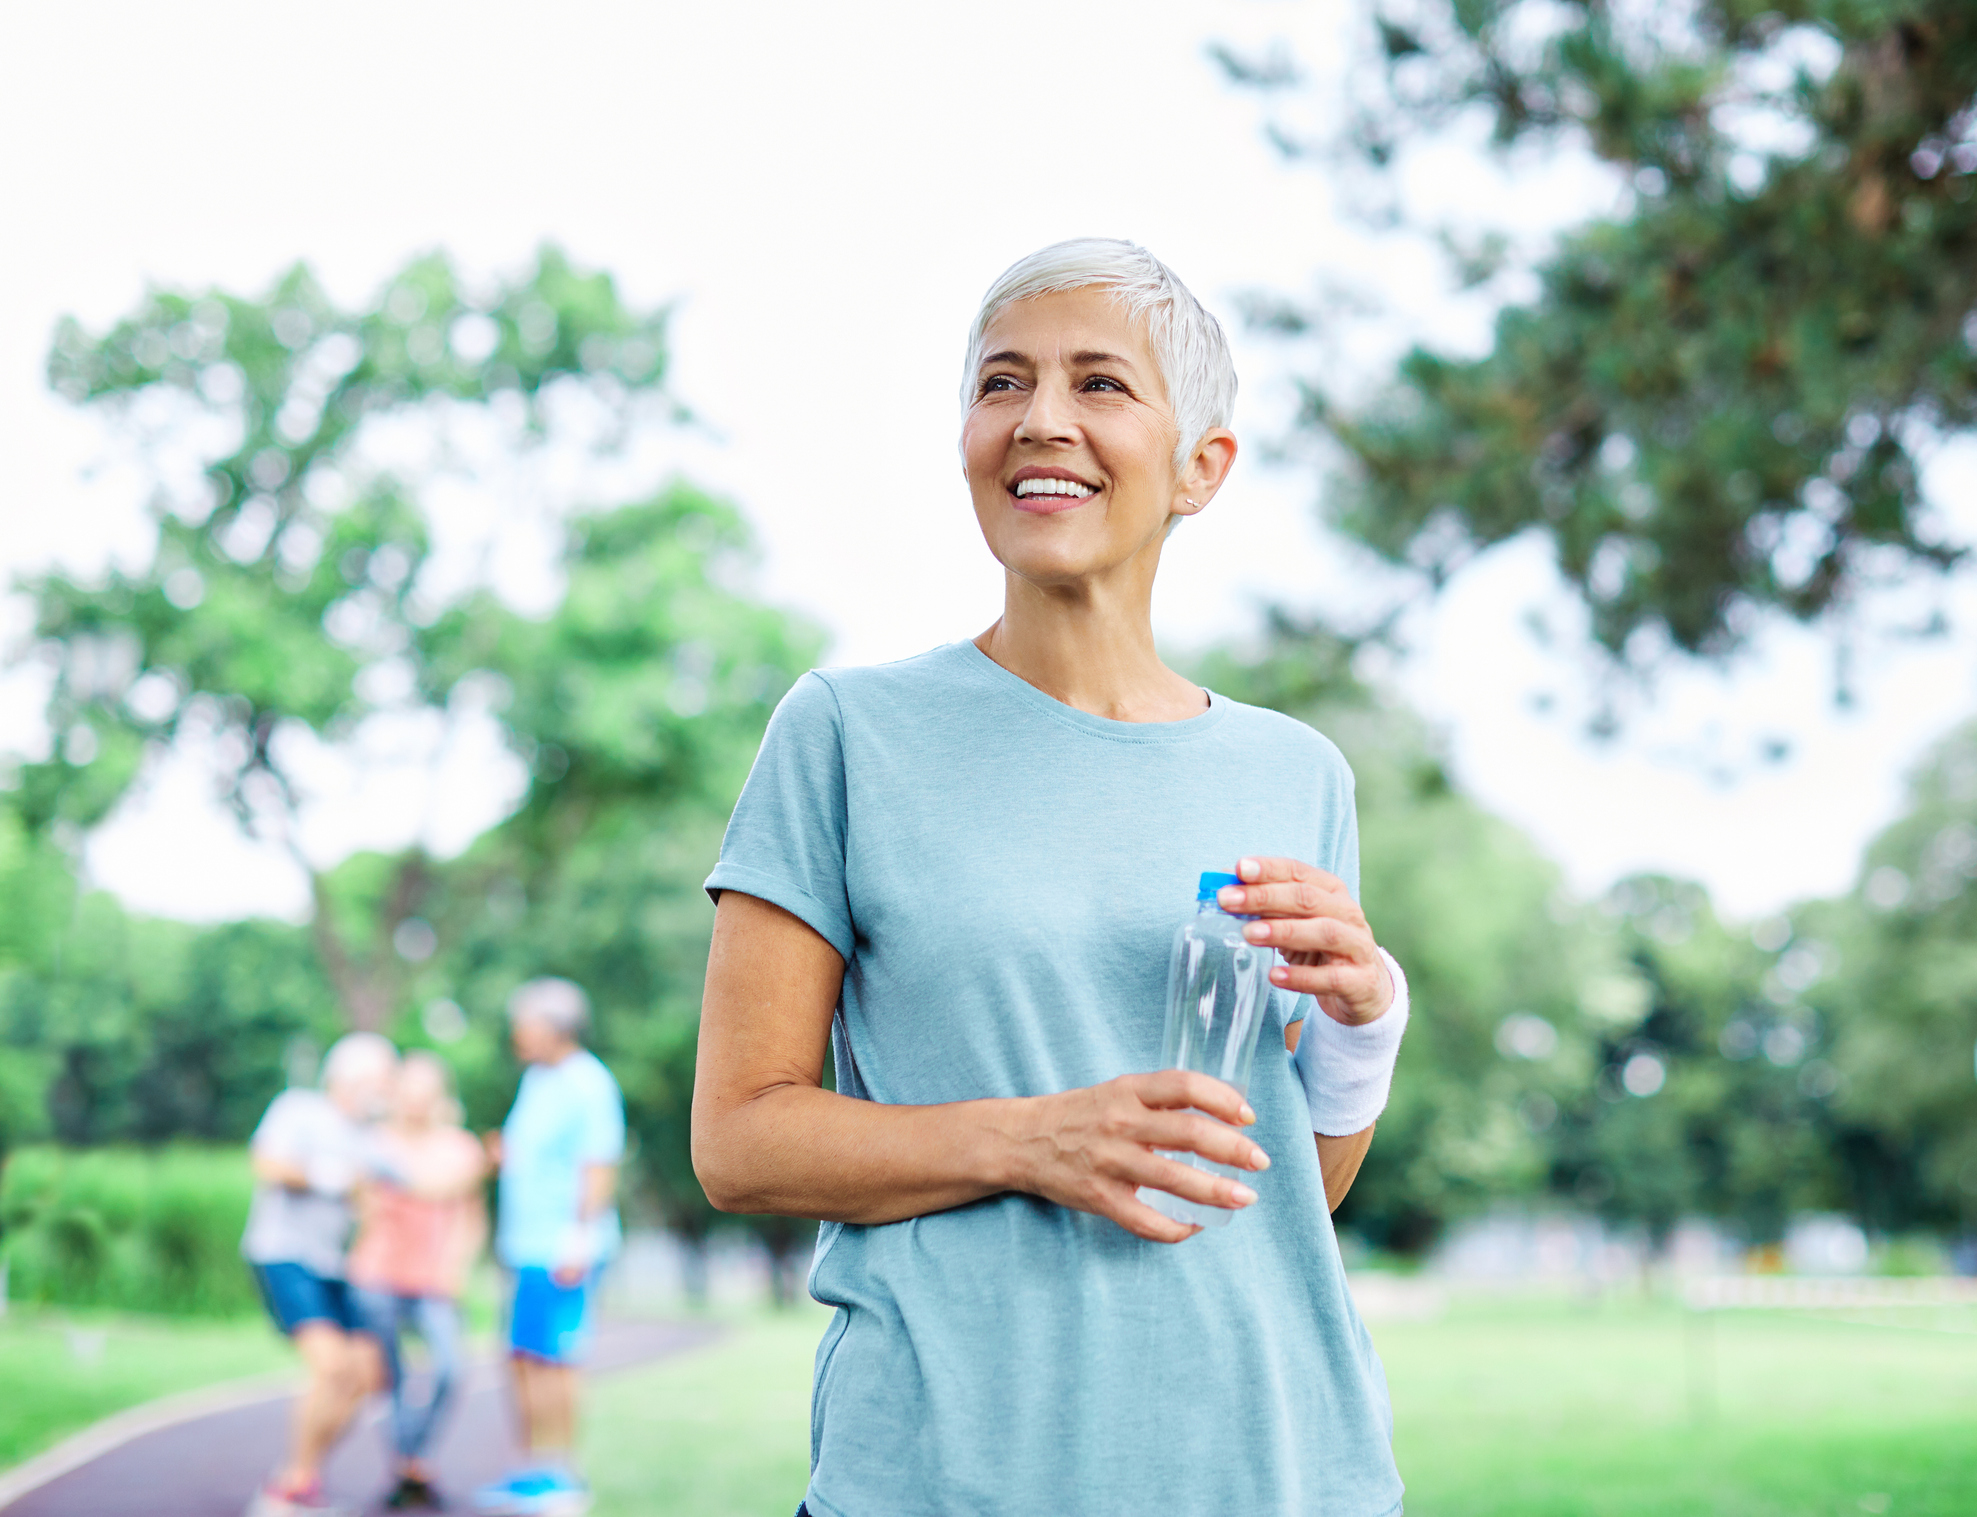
1185	730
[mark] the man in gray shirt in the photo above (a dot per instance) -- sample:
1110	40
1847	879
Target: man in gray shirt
309	1154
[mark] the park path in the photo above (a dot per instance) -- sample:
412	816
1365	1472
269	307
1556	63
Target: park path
209	1466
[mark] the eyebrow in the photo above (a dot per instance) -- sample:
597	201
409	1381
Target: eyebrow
1084	359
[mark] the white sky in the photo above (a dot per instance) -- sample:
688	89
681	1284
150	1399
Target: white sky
826	191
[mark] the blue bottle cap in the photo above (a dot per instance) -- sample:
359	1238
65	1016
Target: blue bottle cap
1212	883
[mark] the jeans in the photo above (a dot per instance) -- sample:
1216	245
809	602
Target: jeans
436	1319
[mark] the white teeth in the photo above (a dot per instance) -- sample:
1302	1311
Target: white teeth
1028	487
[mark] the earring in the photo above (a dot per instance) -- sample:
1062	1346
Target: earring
1195	503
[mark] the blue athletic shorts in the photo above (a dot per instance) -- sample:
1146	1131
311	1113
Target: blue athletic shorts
295	1294
548	1321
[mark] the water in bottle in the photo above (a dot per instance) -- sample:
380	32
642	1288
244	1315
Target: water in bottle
1218	986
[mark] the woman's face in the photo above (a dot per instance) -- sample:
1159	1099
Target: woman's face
1068	444
419	1093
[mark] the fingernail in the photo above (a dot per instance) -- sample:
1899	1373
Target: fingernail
1243	1194
1259	1160
1248	869
1248	1114
1281	975
1228	895
1256	932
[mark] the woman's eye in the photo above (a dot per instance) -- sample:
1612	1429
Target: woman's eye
997	382
1102	382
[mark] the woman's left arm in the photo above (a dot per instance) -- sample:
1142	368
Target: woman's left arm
1338	1158
1329	953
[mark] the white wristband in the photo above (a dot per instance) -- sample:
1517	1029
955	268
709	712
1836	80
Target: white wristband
581	1243
1347	1071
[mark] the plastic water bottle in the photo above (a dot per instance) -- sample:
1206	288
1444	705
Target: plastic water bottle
1218	984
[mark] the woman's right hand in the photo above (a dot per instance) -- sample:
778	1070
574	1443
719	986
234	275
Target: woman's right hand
1093	1148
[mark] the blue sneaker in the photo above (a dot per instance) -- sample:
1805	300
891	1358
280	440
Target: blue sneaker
545	1492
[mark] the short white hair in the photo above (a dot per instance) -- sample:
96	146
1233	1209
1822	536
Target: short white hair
357	1054
1187	341
559	1002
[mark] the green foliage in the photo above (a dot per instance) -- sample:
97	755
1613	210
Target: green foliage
1725	1114
148	1030
287	532
1713	405
1898	959
287	600
132	1231
36	895
648	688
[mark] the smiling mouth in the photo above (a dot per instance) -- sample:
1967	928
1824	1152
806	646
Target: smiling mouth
1050	493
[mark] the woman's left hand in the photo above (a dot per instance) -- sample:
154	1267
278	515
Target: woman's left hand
1310	918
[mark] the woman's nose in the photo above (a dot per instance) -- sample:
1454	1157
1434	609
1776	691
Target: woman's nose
1047	418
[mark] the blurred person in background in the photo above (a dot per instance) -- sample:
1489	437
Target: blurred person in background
557	1225
959	876
421	1223
310	1153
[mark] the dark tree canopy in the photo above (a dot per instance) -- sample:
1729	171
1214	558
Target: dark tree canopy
1716	404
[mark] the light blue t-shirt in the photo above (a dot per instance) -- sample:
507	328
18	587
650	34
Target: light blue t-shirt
1003	876
566	1116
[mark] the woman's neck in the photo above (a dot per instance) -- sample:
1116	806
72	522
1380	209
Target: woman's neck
1090	647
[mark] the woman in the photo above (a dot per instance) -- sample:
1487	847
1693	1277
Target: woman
961	874
422	1224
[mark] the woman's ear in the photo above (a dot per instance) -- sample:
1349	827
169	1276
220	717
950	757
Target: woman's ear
1207	467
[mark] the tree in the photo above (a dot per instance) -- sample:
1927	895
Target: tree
36	893
1715	405
1710	1082
647	690
288	600
1895	967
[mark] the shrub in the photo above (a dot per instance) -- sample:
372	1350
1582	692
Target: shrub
128	1229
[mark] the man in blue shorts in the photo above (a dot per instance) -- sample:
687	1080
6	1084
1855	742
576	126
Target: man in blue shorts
559	1153
309	1154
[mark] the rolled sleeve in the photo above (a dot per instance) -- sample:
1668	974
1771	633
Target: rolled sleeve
785	841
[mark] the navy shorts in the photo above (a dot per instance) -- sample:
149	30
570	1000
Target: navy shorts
295	1294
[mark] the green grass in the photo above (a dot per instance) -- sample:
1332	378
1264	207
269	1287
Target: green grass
1517	1409
722	1431
1546	1410
59	1372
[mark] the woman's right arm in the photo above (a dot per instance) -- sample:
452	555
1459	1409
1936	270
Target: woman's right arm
767	1137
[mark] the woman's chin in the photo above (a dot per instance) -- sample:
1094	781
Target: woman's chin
1052	550
1048	570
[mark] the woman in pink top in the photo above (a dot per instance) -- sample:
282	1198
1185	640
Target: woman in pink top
422	1224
